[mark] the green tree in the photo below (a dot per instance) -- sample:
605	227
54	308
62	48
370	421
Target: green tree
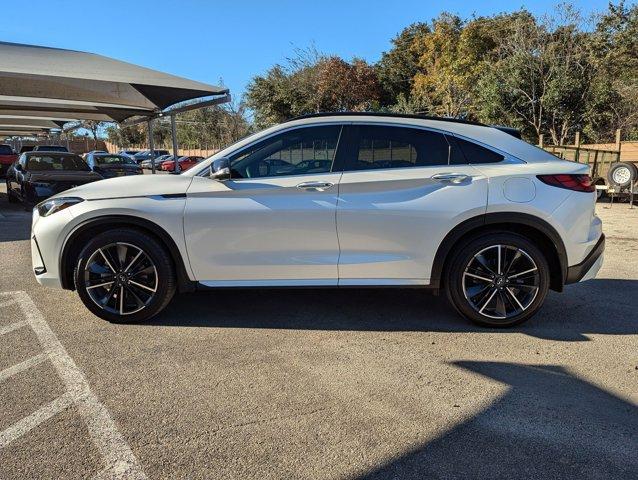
312	83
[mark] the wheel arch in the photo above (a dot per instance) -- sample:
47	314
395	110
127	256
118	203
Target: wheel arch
531	226
73	246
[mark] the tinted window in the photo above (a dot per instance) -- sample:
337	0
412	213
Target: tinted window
297	152
6	150
113	160
469	152
398	147
56	162
50	148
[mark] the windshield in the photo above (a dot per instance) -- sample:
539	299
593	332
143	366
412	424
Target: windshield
56	163
114	160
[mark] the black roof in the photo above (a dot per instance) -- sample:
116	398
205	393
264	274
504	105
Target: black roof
33	153
387	114
509	130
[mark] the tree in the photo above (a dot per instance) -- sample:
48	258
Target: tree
398	66
541	78
614	94
312	83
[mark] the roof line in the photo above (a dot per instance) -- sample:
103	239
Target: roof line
386	114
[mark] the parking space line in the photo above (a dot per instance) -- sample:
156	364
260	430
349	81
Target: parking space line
13	326
119	460
26	424
28	363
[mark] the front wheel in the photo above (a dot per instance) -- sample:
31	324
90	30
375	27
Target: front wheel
498	279
124	276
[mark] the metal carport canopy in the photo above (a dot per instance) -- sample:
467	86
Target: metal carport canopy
66	84
16	122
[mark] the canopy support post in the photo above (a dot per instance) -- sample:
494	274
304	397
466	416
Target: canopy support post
174	135
150	144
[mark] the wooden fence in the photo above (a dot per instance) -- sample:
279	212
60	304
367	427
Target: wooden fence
598	156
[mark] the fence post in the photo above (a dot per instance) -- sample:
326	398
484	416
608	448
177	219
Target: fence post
577	145
618	144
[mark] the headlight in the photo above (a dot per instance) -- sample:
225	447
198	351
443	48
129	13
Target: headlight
49	207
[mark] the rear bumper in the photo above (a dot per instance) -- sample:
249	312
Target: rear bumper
576	273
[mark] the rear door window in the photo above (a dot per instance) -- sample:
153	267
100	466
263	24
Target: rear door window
381	147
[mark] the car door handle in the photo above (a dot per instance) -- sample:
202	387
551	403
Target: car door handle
319	186
450	177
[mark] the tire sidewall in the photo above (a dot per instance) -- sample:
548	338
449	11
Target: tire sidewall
461	258
157	254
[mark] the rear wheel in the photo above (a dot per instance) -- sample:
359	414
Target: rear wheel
124	275
498	279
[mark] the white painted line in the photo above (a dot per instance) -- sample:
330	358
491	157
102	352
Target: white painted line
28	363
22	427
13	326
120	462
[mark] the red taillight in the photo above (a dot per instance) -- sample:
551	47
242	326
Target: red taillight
578	183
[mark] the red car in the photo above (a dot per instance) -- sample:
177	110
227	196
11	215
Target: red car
7	158
185	163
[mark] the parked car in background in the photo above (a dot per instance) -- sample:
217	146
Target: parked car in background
128	153
366	200
185	163
50	148
146	155
85	155
111	165
38	175
158	161
7	157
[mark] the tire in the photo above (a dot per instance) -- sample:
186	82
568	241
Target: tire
620	174
478	293
111	264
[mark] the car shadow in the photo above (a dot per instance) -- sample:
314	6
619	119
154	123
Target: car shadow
548	424
15	220
601	306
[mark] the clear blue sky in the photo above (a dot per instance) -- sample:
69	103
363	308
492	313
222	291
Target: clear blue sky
233	40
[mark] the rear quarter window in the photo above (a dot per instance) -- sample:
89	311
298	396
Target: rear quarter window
463	152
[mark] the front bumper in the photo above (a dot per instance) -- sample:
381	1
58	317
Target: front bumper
588	268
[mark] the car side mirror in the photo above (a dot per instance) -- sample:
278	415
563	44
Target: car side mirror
220	169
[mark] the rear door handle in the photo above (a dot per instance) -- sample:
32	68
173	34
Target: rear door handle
317	186
450	177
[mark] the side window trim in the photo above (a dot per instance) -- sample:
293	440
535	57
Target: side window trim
336	161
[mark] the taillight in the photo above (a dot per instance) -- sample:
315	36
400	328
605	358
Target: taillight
578	183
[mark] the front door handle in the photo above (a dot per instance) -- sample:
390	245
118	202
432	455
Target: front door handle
316	186
450	177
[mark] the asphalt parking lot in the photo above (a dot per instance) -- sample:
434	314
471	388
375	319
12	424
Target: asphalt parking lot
319	383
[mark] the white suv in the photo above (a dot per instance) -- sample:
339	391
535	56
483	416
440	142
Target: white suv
333	200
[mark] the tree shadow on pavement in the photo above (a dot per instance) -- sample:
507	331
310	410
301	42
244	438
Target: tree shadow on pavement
605	306
549	424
